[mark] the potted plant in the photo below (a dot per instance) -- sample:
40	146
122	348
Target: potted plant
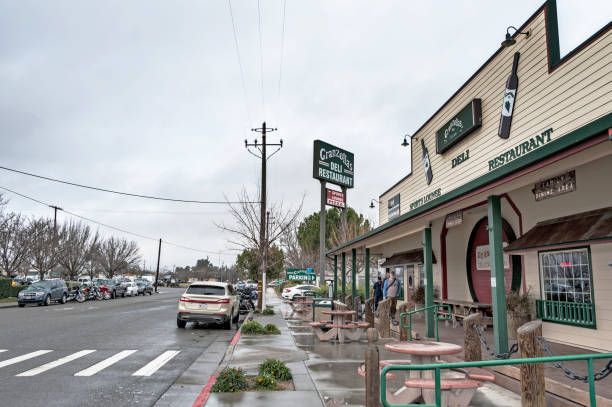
519	311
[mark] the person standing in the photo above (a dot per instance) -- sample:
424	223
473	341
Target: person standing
386	284
378	292
392	293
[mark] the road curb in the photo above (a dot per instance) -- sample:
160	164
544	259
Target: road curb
8	305
202	398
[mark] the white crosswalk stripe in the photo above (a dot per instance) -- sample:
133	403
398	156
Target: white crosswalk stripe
154	365
55	363
90	371
21	358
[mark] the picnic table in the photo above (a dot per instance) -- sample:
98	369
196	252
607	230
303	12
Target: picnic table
462	309
420	383
340	327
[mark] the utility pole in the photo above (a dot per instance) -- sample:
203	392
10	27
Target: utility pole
157	268
261	147
55	209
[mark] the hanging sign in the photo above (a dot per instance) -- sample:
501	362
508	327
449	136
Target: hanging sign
454	219
463	123
335	198
558	185
509	99
333	164
393	207
426	163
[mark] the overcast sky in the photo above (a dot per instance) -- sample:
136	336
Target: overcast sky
146	97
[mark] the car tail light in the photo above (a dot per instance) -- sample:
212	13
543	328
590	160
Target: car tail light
219	301
286	290
223	301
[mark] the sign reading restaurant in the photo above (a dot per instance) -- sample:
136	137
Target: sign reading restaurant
524	148
463	123
333	164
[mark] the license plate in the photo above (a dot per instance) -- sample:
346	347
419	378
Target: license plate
203	306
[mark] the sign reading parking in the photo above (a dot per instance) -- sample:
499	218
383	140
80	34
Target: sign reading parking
303	275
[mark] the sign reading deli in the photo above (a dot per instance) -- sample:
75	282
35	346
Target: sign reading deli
335	198
333	164
522	149
393	207
463	123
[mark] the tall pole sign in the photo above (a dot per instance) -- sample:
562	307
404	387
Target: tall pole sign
336	166
426	163
509	98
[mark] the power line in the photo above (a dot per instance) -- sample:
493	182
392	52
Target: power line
109	226
244	89
261	75
158	198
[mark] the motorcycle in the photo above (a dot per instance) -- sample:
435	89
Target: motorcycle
92	293
246	303
106	294
76	294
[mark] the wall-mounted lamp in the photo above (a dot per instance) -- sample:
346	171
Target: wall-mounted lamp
406	141
509	41
372	203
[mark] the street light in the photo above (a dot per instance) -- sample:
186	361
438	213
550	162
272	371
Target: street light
509	41
372	203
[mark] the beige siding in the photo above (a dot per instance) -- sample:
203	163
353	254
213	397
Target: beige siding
575	94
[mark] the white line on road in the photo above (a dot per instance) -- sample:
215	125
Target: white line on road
2	350
55	363
105	363
63	309
23	357
93	307
154	365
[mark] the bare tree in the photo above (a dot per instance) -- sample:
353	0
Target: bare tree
77	242
116	255
295	255
43	250
13	242
247	224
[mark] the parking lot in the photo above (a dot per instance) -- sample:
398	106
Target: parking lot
126	351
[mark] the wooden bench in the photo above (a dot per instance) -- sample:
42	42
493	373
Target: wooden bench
455	392
473	373
363	325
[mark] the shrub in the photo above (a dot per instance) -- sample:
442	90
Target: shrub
7	290
230	380
271	329
275	368
268	311
252	328
265	382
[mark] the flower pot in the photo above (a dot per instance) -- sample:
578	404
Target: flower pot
516	320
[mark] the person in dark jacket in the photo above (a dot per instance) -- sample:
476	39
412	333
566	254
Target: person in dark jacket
378	292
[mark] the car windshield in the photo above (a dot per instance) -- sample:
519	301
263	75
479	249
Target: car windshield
40	284
206	290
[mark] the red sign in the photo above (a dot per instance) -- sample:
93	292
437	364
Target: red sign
335	198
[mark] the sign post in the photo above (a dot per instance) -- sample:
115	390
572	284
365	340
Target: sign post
336	166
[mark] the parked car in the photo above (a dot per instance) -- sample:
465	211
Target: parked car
131	289
84	280
299	290
144	287
42	292
115	290
212	302
32	277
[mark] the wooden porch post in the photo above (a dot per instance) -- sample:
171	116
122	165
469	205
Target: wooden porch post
354	273
334	296
343	275
367	273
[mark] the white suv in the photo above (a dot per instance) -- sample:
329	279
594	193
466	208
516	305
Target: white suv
208	301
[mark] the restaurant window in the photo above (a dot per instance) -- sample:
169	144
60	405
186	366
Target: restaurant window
566	276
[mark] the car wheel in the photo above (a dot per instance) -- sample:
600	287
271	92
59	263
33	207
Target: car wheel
181	324
114	294
123	295
21	305
236	318
47	300
228	324
64	299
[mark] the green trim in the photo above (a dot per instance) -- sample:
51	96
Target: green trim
498	289
367	273
575	137
429	283
353	272
334	296
588	248
552	34
343	274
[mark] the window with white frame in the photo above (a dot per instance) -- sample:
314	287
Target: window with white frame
565	275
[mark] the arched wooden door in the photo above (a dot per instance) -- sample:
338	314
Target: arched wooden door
478	262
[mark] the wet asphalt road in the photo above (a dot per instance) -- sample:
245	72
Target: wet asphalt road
141	331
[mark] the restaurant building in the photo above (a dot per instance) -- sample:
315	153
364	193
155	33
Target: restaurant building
511	188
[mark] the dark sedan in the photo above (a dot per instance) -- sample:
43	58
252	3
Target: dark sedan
144	287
